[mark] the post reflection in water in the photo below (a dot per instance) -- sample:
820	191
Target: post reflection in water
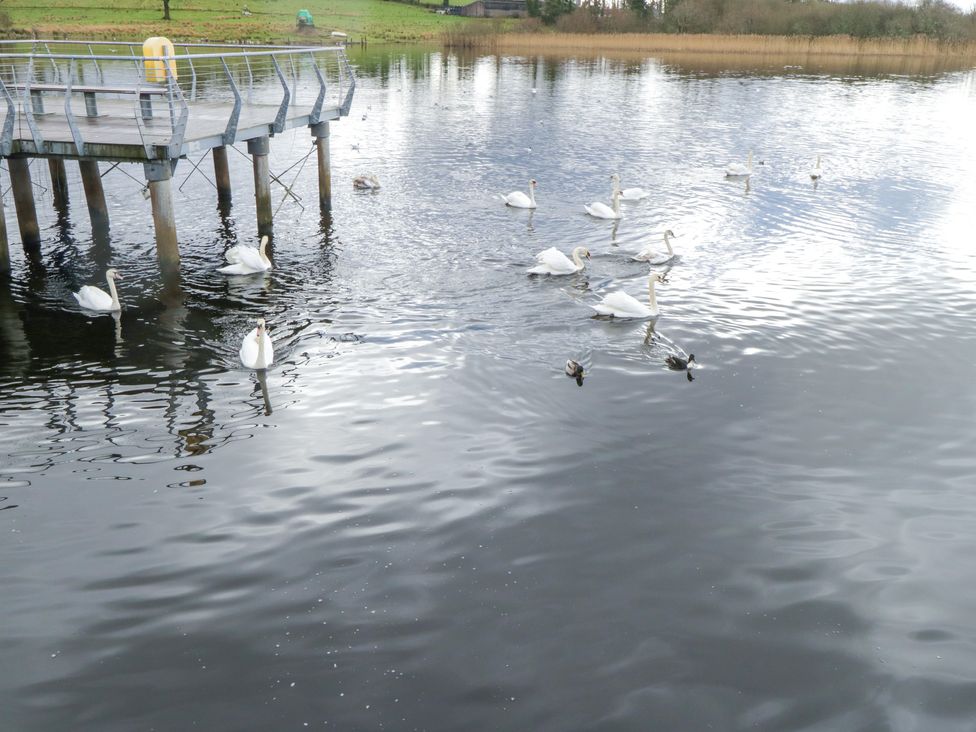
434	528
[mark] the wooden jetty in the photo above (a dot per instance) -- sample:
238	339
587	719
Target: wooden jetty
107	102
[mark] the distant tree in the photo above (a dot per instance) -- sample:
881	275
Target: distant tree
638	6
552	9
166	10
534	8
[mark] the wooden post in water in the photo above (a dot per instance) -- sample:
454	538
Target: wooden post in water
259	148
4	246
20	181
321	133
95	194
59	182
159	175
222	174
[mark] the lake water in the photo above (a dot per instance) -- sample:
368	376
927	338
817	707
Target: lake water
433	528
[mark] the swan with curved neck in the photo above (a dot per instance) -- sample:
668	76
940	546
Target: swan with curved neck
257	351
647	254
816	172
628	194
554	262
600	210
247	260
94	298
622	305
738	170
517	199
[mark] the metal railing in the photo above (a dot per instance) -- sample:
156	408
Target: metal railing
289	82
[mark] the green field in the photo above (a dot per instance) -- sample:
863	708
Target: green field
222	20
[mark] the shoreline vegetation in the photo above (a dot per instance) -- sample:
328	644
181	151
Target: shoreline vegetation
712	44
821	29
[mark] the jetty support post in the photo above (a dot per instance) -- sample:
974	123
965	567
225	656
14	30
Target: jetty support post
222	174
95	195
59	183
20	181
4	245
259	148
159	175
321	133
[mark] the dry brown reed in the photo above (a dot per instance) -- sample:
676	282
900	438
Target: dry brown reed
786	46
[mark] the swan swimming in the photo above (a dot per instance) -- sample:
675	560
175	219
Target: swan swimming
243	260
257	352
600	210
517	199
628	194
554	262
621	305
738	170
366	183
816	172
647	254
94	298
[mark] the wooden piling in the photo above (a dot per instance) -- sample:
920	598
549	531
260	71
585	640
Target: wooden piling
95	195
159	176
4	246
20	181
59	182
259	148
222	174
321	133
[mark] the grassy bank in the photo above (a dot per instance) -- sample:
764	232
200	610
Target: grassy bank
658	43
222	20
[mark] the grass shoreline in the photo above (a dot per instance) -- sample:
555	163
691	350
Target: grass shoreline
707	43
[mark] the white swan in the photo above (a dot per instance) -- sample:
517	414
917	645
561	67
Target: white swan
517	199
600	210
628	194
622	305
816	172
93	298
257	352
738	170
554	262
647	254
366	182
247	260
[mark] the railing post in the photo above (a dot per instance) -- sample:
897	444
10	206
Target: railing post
321	133
159	175
259	149
20	181
95	195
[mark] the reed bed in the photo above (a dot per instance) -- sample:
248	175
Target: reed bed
657	43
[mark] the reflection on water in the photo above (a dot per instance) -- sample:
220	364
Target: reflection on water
415	519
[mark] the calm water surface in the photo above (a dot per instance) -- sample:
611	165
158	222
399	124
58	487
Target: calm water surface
434	528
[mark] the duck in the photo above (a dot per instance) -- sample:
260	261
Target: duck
622	305
575	371
600	210
94	298
647	254
677	363
517	199
366	183
628	194
816	172
257	351
244	260
554	262
738	170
